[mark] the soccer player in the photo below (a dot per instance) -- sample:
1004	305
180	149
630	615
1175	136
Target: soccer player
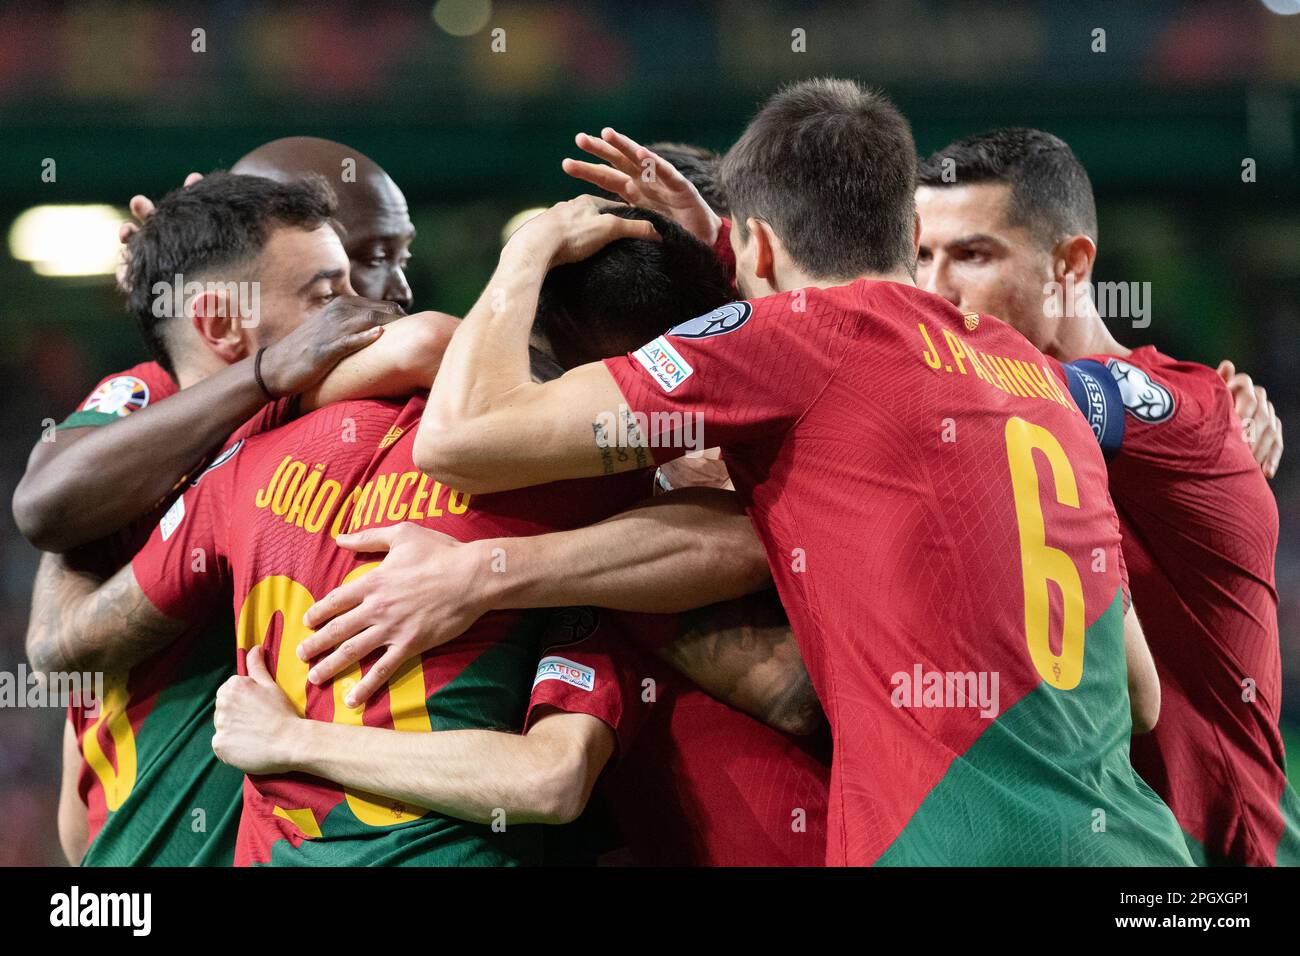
934	524
263	516
149	740
706	783
1014	232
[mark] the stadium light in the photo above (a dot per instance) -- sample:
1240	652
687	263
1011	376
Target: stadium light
67	240
462	18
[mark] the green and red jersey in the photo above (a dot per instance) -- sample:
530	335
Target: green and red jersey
1200	531
155	793
264	516
935	513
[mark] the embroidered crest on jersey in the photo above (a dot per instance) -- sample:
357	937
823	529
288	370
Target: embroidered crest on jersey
391	436
664	364
972	320
720	321
120	396
569	672
1144	398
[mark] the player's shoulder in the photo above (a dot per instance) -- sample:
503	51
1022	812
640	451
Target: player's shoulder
1156	388
119	394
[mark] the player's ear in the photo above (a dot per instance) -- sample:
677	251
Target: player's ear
765	243
916	235
1074	257
219	325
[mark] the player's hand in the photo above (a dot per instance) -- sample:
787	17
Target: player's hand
428	589
571	231
1261	428
643	178
141	209
255	721
305	356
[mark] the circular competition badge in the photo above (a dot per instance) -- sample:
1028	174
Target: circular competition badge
119	396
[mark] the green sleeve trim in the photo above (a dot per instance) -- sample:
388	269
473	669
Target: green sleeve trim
82	419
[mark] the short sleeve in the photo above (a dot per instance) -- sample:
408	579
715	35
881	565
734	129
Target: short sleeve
1176	414
744	372
183	567
588	666
120	394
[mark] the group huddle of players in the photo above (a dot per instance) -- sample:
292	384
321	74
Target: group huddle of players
797	509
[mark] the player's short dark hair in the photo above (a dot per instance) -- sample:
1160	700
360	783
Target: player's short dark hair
1051	194
628	292
831	166
700	166
221	223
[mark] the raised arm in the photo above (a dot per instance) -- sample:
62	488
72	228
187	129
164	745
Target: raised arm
88	483
544	776
681	550
81	623
487	426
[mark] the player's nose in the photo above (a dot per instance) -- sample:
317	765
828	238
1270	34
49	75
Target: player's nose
398	290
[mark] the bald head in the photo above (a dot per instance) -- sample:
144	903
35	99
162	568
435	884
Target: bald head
371	209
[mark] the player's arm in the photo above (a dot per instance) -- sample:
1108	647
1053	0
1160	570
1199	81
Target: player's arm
73	834
401	362
743	652
543	776
488	426
91	625
90	482
678	551
1143	681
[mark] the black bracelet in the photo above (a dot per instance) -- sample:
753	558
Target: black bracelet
257	376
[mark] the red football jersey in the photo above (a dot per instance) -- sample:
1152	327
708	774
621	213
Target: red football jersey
695	782
935	513
147	764
1200	531
708	785
261	523
585	668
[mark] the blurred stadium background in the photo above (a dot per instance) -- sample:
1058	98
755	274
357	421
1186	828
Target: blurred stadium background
115	95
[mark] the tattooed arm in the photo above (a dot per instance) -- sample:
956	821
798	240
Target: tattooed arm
744	653
80	622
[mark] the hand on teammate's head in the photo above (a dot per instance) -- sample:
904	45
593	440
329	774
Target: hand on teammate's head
141	207
643	178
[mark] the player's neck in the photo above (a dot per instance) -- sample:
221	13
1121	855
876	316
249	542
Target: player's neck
1083	334
801	281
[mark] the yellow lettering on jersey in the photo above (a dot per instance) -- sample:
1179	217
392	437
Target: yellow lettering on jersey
397	510
955	347
263	497
929	353
1041	564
